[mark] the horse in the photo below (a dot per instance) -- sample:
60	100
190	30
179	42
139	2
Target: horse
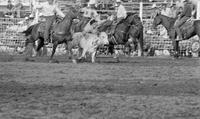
131	27
60	32
189	29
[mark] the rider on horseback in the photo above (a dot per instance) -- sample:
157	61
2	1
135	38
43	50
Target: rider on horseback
89	12
48	12
121	14
182	18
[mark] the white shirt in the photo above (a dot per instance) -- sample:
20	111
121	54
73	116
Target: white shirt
121	12
49	10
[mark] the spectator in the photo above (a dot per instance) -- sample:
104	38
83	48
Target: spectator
9	7
18	8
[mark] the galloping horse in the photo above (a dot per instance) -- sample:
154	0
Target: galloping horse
131	26
189	29
60	32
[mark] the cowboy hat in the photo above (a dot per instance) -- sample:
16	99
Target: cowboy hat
185	0
91	2
154	6
118	1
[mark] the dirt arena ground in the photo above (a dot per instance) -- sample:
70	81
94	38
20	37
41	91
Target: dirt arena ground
135	88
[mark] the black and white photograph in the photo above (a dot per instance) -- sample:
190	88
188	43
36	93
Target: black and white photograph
99	59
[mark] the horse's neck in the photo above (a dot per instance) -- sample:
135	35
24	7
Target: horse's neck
168	23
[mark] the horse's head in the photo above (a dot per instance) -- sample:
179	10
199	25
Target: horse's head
157	20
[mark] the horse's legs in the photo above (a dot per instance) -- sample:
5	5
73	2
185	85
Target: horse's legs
176	48
139	49
83	54
140	44
40	45
111	49
55	44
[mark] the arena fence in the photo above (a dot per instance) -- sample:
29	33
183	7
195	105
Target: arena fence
12	41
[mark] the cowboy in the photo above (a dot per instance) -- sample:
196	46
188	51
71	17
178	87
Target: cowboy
121	14
18	8
91	13
9	7
183	17
48	11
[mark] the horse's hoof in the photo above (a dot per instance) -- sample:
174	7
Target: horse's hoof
29	60
69	57
81	59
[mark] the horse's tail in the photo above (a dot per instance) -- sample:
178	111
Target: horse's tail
28	31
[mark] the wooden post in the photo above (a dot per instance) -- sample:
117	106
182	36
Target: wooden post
198	10
141	10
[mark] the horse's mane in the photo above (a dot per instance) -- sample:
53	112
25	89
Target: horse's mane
168	18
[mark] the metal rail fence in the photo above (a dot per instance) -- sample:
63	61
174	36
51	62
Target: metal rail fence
10	39
13	42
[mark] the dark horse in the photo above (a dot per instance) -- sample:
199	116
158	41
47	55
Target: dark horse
131	26
60	32
189	29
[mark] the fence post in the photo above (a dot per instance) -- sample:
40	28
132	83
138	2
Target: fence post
141	10
198	10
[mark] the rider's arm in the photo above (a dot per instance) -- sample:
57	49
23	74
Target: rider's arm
59	12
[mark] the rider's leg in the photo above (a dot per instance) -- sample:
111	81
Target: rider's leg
48	24
178	25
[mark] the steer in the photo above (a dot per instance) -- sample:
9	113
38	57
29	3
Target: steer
88	43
